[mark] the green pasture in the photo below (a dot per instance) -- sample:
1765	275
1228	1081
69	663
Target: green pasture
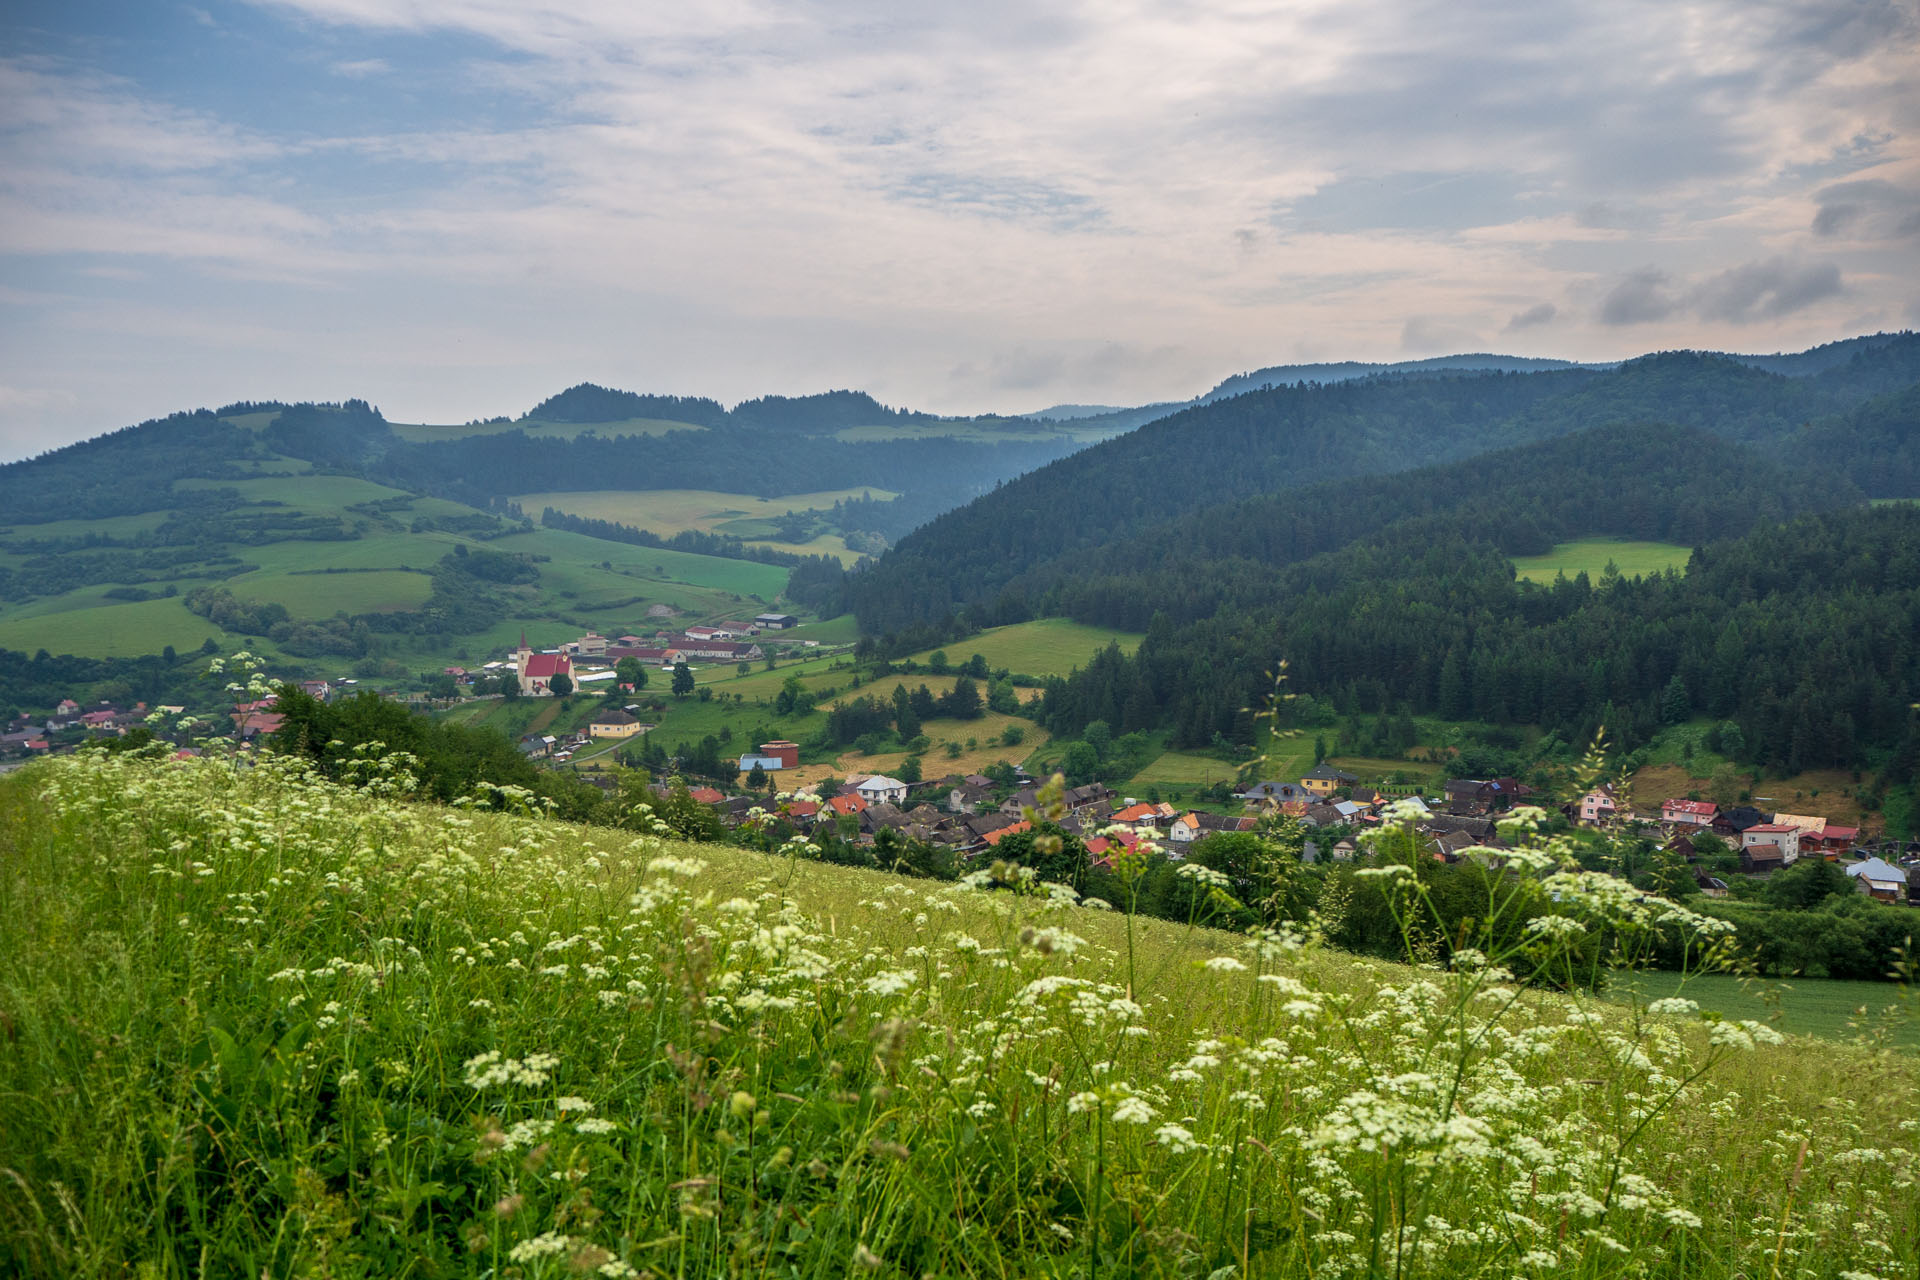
844	629
1183	769
671	511
321	595
1825	1007
1045	647
106	527
740	577
302	492
1634	559
108	628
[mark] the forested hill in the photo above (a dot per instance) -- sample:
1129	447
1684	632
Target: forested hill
1640	481
821	414
1804	636
1266	441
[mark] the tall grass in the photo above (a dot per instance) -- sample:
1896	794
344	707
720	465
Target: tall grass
252	1024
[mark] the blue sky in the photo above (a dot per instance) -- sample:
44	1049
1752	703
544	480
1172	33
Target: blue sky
456	207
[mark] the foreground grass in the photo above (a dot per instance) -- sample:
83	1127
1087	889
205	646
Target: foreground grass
251	1024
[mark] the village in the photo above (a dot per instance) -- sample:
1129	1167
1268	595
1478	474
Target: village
968	815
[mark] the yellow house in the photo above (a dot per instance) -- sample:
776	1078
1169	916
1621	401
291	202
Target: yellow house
613	724
1325	780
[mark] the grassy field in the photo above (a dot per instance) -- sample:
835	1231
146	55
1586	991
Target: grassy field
1634	559
261	1025
671	511
1823	1007
1048	646
320	595
1826	793
101	628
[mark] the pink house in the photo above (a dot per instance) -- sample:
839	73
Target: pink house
1598	807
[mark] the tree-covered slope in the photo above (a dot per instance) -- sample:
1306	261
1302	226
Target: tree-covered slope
1265	441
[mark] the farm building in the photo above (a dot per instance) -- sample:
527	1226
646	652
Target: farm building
776	621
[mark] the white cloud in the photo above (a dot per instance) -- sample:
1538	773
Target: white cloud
947	203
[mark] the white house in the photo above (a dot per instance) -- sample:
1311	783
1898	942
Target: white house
1779	834
880	789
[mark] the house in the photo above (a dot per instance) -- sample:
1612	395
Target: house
788	753
1597	808
1786	838
1759	859
1830	839
1323	815
846	804
707	795
775	621
1273	794
880	789
254	724
1079	798
66	709
1325	780
1189	827
589	645
1709	886
979	827
1879	879
967	798
1688	813
1731	822
1141	817
536	744
614	724
993	838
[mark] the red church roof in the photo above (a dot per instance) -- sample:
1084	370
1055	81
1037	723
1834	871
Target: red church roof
545	666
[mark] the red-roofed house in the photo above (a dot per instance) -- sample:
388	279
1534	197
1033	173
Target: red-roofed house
1688	813
995	837
846	804
706	795
1137	815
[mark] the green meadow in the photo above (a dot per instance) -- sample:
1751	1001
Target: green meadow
1828	1008
1045	647
1592	555
258	1024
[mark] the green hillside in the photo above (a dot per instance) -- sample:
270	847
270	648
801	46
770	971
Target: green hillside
357	569
261	1025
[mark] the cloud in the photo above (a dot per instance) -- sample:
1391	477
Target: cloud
1532	318
1742	295
939	203
1429	334
1866	209
1756	290
1645	295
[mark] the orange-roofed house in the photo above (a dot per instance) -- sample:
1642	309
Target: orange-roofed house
846	804
993	838
1137	816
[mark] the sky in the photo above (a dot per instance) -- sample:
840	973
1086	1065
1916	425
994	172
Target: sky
455	208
